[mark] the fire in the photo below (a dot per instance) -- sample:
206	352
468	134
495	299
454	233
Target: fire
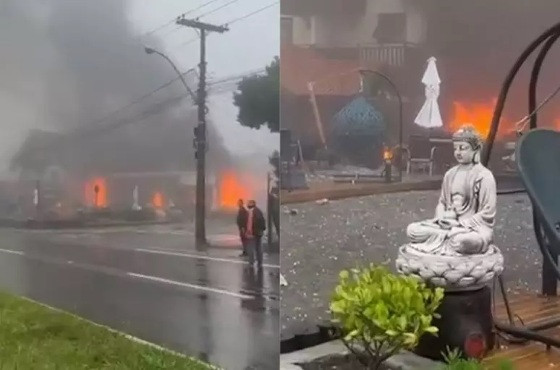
387	154
479	115
96	192
231	189
157	200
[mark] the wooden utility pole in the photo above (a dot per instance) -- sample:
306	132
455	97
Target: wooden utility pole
200	130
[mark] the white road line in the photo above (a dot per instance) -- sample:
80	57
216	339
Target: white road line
199	256
12	252
192	286
113	271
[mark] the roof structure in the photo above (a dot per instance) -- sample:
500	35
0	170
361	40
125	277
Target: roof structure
301	65
32	150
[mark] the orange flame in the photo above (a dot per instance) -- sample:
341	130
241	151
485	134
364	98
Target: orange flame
232	189
387	154
157	200
96	198
479	115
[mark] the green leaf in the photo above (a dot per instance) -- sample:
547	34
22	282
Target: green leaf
338	307
410	339
431	330
402	322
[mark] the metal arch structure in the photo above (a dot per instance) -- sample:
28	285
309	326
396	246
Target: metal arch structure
548	238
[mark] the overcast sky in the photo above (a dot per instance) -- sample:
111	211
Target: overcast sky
250	44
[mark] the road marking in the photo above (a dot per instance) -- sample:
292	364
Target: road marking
116	272
12	252
199	256
192	286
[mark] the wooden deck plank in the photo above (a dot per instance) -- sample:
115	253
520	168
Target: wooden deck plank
531	308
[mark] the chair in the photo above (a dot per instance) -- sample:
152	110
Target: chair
420	151
443	155
537	153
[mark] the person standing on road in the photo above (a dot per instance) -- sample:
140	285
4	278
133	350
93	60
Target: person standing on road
242	214
256	225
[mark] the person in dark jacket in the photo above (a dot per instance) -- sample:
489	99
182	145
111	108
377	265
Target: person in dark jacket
256	225
242	225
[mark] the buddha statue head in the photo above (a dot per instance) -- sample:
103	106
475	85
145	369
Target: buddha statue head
467	145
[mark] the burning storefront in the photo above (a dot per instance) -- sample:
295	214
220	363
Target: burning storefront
64	186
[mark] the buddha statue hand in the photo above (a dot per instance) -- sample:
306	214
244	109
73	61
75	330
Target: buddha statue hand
447	223
449	215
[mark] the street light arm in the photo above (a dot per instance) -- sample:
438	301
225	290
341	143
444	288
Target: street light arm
386	78
394	87
191	93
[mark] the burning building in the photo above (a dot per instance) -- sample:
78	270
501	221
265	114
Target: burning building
64	180
475	43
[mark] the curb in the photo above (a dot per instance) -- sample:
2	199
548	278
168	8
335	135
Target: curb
25	225
127	336
403	360
358	191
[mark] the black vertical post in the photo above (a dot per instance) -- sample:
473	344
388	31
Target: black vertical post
200	224
549	280
201	142
269	210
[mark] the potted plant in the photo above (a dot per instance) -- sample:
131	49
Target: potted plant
380	313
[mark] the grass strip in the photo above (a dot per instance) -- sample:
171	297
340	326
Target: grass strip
35	337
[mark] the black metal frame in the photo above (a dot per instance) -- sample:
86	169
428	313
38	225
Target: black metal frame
551	271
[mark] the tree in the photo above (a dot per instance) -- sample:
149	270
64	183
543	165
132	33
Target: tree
258	99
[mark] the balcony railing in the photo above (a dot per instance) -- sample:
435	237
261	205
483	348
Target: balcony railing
322	7
396	55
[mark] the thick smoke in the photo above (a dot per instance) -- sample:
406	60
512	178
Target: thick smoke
66	63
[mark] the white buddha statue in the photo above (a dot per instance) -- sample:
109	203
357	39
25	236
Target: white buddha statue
464	218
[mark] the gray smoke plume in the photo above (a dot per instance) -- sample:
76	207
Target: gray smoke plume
64	64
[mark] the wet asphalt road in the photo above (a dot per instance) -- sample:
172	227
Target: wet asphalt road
321	240
151	283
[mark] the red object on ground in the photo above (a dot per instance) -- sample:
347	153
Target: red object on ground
475	346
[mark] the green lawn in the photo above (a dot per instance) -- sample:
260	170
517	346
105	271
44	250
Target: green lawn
34	337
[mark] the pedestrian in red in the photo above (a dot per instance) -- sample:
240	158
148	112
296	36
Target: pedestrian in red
256	225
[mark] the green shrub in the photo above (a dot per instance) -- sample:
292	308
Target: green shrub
380	313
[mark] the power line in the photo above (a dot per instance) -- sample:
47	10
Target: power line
218	8
95	127
155	91
190	41
132	103
251	14
174	19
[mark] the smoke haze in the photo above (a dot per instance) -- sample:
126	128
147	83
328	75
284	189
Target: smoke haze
65	64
